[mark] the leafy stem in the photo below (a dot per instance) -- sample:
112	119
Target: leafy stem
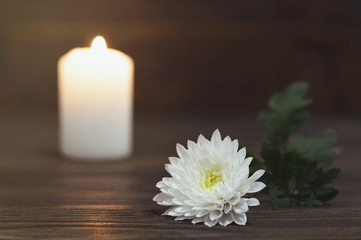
296	167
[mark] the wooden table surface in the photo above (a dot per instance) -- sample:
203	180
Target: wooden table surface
43	196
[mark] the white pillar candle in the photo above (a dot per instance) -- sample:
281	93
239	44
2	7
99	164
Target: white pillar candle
95	99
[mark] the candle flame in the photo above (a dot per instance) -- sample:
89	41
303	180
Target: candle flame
99	44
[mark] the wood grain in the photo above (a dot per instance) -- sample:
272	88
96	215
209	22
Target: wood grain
43	196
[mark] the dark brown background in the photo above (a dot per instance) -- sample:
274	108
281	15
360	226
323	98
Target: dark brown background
191	56
194	59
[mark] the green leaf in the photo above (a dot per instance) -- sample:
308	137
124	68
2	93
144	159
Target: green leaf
309	202
330	175
276	191
274	164
280	197
305	173
292	99
326	194
316	147
272	155
285	116
295	167
326	177
284	202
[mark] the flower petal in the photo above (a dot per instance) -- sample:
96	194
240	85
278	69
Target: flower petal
243	189
235	198
170	182
198	220
240	208
240	219
252	201
226	219
215	214
190	213
168	168
247	161
202	212
227	208
256	187
161	184
171	212
201	139
182	152
174	161
225	170
242	153
256	175
163	199
210	223
227	143
191	145
183	208
216	138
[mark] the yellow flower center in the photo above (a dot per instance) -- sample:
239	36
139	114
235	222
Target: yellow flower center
210	177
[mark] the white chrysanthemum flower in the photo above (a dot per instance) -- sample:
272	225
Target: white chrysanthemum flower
209	182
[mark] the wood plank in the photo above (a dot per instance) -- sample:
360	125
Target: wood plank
43	196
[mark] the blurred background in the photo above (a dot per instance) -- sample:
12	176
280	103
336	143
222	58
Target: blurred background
191	56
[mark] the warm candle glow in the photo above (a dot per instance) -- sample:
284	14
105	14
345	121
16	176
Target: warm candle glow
99	44
96	99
